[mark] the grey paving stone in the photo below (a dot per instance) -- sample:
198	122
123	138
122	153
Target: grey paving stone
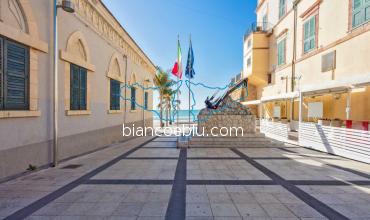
303	211
243	197
251	210
103	209
77	209
137	197
223	209
53	209
265	198
219	197
197	197
227	218
277	210
199	218
128	209
154	209
198	209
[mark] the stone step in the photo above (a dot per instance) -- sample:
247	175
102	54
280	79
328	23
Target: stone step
246	145
230	140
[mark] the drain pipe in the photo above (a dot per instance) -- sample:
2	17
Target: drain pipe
125	92
295	6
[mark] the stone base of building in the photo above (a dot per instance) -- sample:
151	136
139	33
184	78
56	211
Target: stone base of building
15	161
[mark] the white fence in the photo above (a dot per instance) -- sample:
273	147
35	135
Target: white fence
275	130
350	143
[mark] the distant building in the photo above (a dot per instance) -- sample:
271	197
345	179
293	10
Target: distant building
314	49
97	56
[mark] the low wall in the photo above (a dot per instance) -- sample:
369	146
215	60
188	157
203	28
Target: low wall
349	143
275	130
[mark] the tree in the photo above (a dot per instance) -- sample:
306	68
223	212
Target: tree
163	82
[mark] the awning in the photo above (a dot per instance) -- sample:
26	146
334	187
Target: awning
283	96
252	102
336	86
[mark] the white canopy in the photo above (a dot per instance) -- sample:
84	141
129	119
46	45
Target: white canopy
252	102
283	96
340	85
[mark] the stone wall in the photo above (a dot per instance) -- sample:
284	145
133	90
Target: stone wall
230	117
236	125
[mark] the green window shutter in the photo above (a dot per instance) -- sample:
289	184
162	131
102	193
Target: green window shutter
146	97
118	95
360	12
74	87
83	88
1	73
115	94
111	94
309	34
281	52
282	6
264	22
15	77
133	98
78	88
367	10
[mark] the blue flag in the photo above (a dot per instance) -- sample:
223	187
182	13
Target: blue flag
189	72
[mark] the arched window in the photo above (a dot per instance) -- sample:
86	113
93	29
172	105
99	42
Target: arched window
77	69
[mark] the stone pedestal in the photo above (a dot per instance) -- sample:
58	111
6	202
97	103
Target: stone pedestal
231	117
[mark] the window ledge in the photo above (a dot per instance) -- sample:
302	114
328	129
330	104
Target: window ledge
19	114
78	112
115	111
360	27
133	111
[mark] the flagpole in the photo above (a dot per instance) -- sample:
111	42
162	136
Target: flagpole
178	94
189	98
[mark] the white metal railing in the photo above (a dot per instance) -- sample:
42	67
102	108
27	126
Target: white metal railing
350	143
276	130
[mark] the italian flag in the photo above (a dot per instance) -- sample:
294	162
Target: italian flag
177	68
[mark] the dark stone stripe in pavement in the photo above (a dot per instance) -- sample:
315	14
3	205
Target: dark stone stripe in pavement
225	182
253	147
319	159
177	205
128	182
287	150
150	158
230	182
33	207
319	206
312	157
329	182
356	172
174	147
214	158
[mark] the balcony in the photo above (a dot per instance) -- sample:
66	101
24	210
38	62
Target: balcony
261	27
256	53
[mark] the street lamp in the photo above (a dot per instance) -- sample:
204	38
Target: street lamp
67	5
146	81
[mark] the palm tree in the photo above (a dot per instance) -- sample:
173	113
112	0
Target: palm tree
168	105
163	82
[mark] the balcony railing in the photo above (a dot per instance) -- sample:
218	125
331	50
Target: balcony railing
236	79
258	27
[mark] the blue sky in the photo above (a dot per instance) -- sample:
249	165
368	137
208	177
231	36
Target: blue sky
216	27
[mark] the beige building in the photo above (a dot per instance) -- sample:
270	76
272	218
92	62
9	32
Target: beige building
308	61
96	58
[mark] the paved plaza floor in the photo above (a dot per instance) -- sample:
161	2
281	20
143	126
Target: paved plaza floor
149	178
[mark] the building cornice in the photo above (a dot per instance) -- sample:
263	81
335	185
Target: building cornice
99	18
311	9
